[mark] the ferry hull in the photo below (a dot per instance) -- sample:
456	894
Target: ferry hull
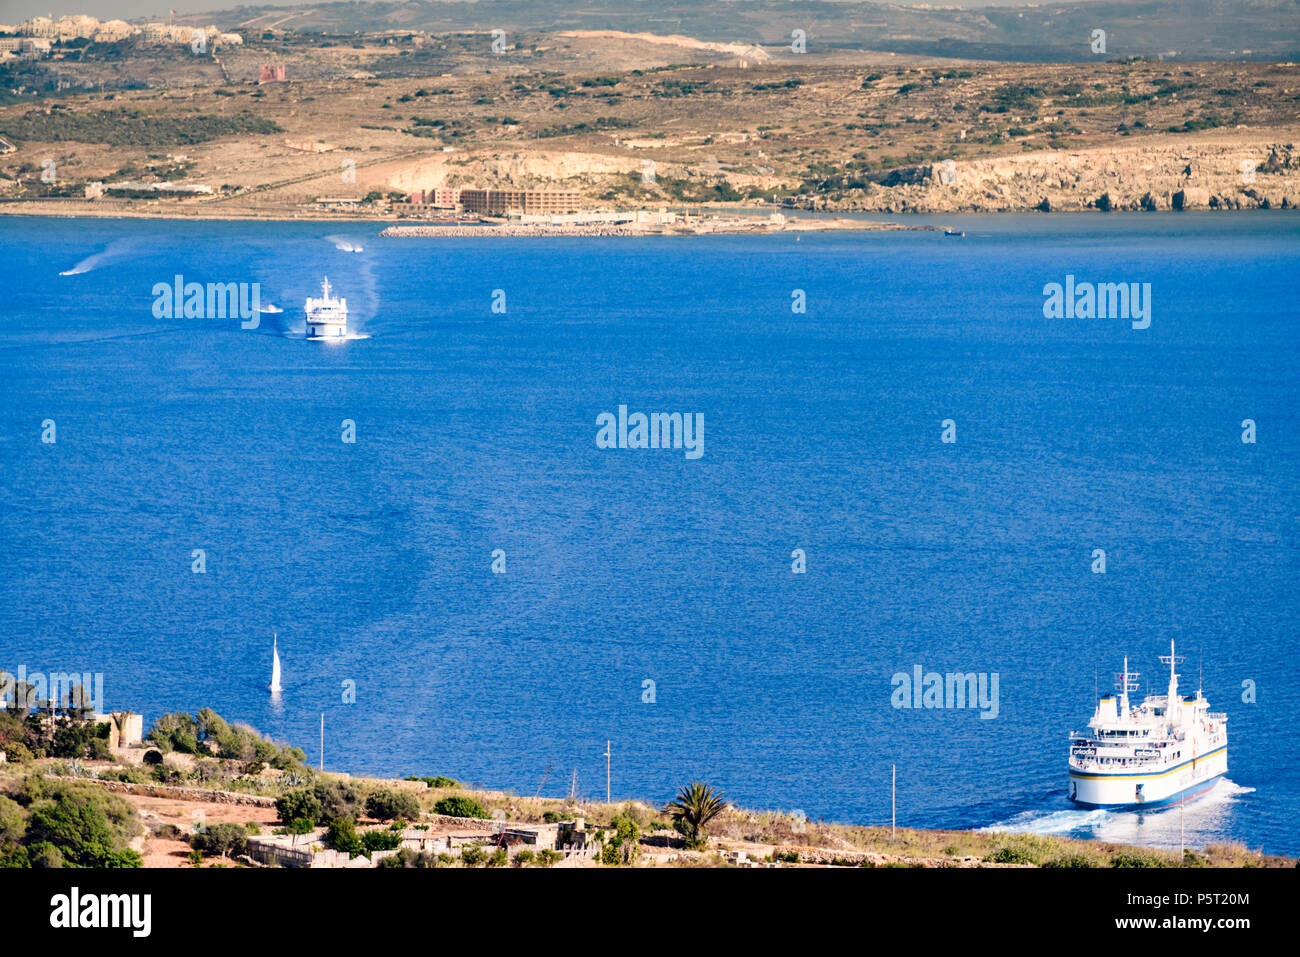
1146	791
326	331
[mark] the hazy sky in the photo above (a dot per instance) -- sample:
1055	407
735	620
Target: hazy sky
12	11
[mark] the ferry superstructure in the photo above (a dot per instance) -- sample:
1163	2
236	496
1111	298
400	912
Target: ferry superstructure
1164	751
327	317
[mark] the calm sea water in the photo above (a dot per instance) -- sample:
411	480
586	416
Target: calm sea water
476	431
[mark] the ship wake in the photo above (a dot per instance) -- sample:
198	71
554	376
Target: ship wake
1202	820
118	249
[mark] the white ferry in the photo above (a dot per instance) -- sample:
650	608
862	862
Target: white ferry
327	317
1165	751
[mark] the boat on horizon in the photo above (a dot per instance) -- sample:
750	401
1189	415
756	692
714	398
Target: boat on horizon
327	317
1167	750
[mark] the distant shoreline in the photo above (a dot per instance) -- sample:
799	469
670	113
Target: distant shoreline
728	221
710	222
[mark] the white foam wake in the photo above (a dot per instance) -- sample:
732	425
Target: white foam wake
345	245
115	250
1050	822
1202	820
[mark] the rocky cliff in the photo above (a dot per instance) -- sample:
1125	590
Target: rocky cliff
1212	175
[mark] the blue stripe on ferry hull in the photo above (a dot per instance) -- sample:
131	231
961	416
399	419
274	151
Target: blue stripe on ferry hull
1197	789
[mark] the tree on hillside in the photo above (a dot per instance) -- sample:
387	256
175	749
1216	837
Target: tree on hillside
388	804
695	806
88	828
300	804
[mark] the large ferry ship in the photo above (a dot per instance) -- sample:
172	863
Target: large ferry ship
327	317
1166	750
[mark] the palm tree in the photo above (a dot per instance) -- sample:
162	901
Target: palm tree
120	720
696	805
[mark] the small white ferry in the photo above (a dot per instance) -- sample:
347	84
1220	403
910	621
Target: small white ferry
327	317
1165	751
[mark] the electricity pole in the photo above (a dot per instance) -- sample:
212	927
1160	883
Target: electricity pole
322	740
606	772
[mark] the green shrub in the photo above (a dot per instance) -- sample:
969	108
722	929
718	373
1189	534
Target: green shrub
1071	860
1010	855
623	845
342	836
524	858
88	828
460	807
299	826
381	841
1136	859
175	732
388	804
440	781
45	855
299	804
472	855
13	826
337	799
223	839
1025	849
127	775
409	858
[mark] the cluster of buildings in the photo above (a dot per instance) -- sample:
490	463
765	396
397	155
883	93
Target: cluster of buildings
498	202
27	48
34	38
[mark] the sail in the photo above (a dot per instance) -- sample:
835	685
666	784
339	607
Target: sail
275	665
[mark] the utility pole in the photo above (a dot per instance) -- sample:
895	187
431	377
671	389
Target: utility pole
573	787
893	799
322	740
606	772
545	774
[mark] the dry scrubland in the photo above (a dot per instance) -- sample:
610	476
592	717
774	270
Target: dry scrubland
849	131
206	788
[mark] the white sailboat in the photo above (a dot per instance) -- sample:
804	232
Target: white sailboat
275	665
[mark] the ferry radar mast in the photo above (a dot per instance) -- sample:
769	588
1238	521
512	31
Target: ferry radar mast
1125	681
1172	705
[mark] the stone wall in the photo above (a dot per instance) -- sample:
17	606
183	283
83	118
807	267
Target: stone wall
185	794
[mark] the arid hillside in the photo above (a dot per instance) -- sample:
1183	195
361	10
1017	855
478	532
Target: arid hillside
645	121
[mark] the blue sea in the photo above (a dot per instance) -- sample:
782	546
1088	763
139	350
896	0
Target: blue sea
648	599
